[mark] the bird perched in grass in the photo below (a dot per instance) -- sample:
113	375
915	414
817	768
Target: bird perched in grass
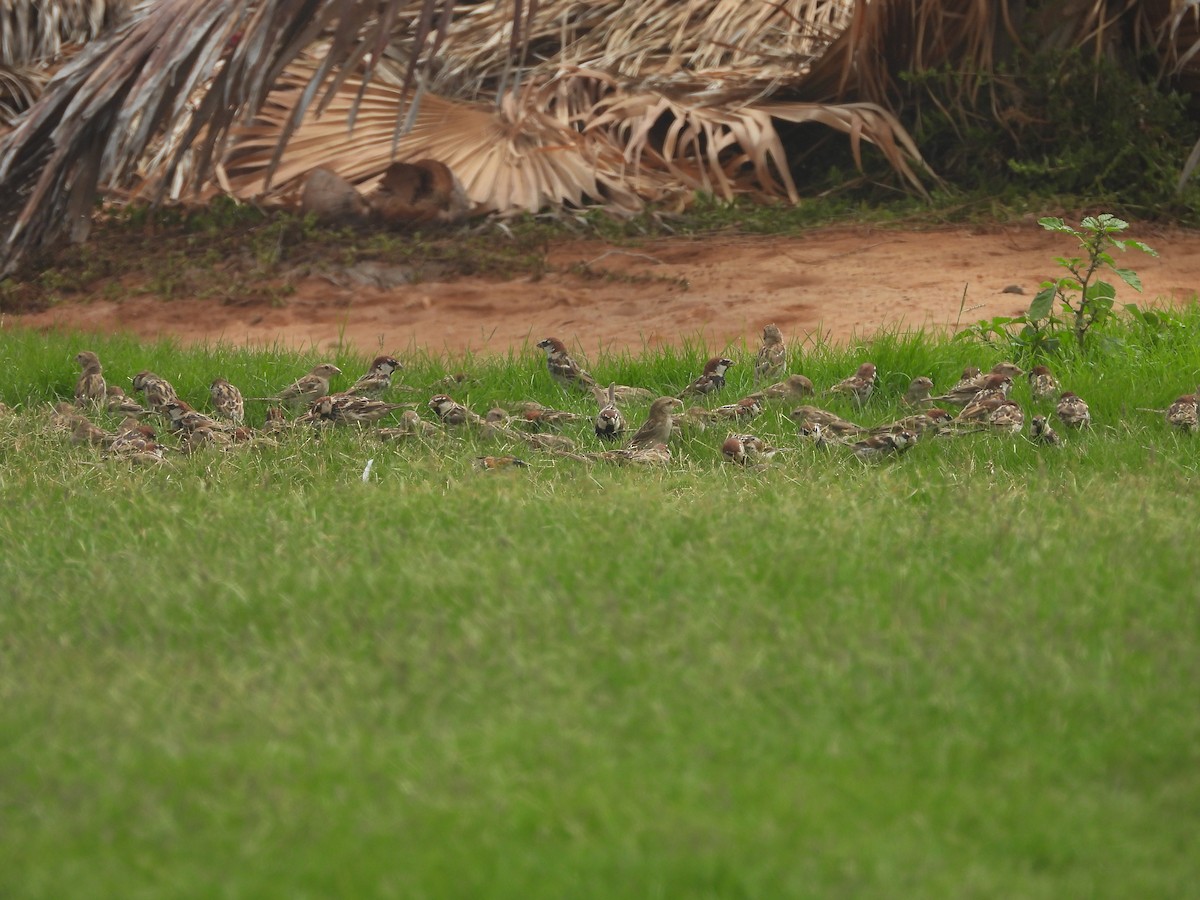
712	379
771	359
1072	411
155	391
563	369
982	388
1042	383
307	389
609	424
743	449
496	463
932	418
1183	413
377	380
121	403
342	409
410	425
451	412
791	388
227	401
90	387
829	422
655	453
859	386
919	391
1041	432
658	425
882	446
182	417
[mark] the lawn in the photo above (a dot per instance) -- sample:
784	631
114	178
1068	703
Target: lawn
969	672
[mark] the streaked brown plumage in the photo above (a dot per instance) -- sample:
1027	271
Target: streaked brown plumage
227	401
858	386
712	379
90	387
772	357
563	369
1072	411
658	425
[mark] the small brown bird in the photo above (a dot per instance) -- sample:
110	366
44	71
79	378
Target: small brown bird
743	411
1042	383
378	379
858	386
120	402
743	449
1041	432
342	409
90	387
227	401
609	424
451	412
1183	413
410	425
969	376
496	463
534	416
772	357
791	388
1008	370
1072	411
137	445
980	388
85	432
712	379
829	422
658	425
919	391
1008	416
882	446
156	391
182	417
653	454
307	389
563	369
932	418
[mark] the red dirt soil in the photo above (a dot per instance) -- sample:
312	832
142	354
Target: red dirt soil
840	284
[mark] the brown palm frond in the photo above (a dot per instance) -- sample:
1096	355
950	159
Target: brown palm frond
221	58
517	156
36	31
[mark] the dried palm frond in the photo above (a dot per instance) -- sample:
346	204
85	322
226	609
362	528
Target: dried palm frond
221	57
35	31
514	157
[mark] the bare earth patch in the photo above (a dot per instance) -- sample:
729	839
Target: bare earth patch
839	284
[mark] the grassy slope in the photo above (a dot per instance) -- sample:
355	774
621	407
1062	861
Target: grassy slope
972	673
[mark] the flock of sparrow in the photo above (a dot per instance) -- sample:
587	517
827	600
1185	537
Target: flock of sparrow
981	401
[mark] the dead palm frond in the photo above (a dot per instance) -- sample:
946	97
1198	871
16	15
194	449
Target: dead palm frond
216	60
38	31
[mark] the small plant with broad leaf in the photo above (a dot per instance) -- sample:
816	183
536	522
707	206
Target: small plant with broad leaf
1082	294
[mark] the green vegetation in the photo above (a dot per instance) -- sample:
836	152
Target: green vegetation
970	672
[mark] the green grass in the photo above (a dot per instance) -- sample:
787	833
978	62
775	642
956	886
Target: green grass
971	673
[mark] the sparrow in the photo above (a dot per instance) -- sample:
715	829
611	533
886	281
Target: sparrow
411	425
495	463
979	388
1072	411
90	386
742	449
539	441
609	424
771	360
119	402
711	379
882	446
829	422
1182	414
204	437
156	391
792	387
919	391
227	400
343	409
535	416
1042	383
932	418
1008	416
83	431
1007	369
378	379
969	376
452	412
655	453
859	385
1042	433
744	410
628	394
562	368
276	420
181	417
658	425
308	389
63	416
137	445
